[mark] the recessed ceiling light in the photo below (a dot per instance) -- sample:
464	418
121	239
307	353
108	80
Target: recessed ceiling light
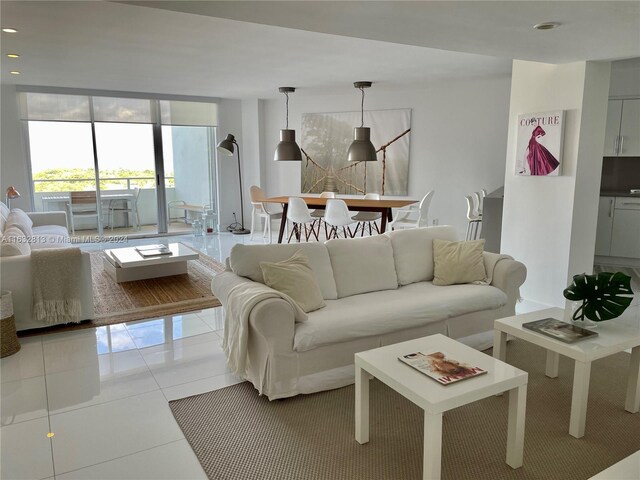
13	55
14	72
9	30
546	26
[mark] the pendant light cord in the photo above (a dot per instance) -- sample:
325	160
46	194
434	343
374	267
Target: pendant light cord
362	108
287	107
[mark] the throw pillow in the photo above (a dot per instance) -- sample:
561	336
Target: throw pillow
14	243
458	262
17	218
295	278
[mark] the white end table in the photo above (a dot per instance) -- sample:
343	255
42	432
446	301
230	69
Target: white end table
435	399
614	336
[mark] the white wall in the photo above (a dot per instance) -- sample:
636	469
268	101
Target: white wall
458	138
549	223
13	163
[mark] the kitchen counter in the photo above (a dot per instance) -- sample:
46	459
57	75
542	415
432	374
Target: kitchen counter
619	193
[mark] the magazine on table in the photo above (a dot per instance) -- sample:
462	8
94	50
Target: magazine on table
441	367
563	331
153	250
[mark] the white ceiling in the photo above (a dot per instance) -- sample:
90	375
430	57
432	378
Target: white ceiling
116	46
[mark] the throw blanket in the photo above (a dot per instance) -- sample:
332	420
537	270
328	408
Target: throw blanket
240	301
490	262
56	285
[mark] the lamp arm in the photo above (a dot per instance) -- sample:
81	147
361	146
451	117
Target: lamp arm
240	180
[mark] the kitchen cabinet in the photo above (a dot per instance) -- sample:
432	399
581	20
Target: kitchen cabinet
622	134
605	225
625	232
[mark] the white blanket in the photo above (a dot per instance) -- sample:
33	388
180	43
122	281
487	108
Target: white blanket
241	300
490	262
56	285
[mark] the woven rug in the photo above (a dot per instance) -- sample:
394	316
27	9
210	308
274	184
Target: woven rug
237	434
155	297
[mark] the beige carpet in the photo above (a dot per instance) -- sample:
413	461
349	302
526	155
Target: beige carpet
155	297
238	435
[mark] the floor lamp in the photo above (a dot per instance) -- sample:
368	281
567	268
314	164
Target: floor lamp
226	147
11	194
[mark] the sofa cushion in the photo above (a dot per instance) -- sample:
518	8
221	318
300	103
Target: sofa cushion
4	214
388	311
362	265
458	262
21	220
295	278
245	261
413	251
14	242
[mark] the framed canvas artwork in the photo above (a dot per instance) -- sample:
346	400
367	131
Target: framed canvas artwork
539	149
325	141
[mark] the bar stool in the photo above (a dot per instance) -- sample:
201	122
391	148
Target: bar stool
473	227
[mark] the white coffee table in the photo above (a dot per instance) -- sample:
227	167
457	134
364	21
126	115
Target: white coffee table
127	265
614	336
435	399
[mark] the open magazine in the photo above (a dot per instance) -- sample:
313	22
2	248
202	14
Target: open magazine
442	368
563	331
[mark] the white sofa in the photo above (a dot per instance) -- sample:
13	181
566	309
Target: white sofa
49	231
377	290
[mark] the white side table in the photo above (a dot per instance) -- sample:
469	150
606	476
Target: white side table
614	336
435	399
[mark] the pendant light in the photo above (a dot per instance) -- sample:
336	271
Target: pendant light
361	149
287	149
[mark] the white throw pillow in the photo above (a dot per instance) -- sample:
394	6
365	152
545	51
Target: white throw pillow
17	218
362	265
413	251
458	262
295	278
14	243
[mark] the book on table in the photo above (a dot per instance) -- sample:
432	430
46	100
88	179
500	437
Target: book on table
153	250
441	367
563	331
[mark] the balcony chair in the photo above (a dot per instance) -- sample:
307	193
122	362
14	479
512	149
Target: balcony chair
126	208
82	205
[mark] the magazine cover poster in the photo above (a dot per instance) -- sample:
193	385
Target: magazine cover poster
539	148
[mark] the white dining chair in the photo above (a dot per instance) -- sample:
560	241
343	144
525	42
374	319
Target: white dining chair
368	218
298	214
474	218
263	211
414	218
337	215
116	206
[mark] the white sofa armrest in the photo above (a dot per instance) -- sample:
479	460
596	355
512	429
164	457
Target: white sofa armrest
48	218
508	276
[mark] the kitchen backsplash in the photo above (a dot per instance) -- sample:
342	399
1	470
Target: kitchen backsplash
620	173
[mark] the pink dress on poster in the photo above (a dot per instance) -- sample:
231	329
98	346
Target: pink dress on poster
540	160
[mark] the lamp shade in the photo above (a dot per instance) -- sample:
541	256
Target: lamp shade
12	193
361	149
287	149
227	146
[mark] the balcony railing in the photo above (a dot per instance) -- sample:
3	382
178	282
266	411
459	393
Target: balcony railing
105	183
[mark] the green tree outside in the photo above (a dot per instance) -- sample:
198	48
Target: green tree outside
83	179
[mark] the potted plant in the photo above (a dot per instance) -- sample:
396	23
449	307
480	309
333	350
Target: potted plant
604	295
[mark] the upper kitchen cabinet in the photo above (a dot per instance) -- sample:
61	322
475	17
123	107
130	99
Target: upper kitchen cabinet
622	137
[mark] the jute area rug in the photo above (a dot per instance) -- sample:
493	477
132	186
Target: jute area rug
237	434
155	297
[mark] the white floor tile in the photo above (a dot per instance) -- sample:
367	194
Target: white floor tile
200	386
112	380
99	433
23	400
215	318
174	461
186	363
26	451
26	363
167	330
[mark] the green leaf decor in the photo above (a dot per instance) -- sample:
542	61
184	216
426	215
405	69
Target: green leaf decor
604	296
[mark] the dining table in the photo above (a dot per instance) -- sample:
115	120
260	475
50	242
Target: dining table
383	206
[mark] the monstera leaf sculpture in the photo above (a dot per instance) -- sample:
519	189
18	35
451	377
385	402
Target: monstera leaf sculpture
604	296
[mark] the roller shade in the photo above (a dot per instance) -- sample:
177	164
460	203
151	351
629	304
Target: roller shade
52	106
195	114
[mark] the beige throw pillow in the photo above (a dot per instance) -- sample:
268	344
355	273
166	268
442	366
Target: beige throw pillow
17	218
458	262
295	278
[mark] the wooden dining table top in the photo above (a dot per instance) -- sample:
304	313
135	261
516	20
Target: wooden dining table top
351	202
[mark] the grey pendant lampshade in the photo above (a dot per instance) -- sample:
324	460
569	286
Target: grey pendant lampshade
361	149
287	149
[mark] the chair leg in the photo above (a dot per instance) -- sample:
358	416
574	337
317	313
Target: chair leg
375	225
293	230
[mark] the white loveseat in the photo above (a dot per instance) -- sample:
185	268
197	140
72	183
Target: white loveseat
377	290
49	230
